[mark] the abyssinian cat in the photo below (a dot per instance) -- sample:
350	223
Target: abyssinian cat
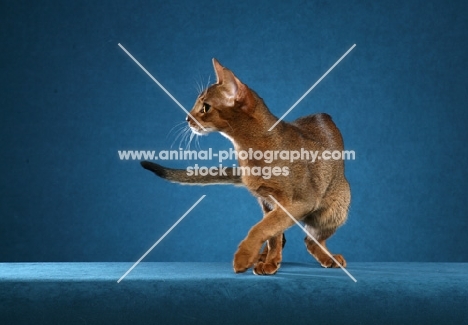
316	193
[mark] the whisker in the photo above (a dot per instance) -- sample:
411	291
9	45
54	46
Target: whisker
200	86
183	141
179	133
174	127
192	135
187	131
208	82
175	139
181	136
199	82
197	143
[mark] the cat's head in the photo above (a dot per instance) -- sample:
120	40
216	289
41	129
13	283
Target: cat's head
223	105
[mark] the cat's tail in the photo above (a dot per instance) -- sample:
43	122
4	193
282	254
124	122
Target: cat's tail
226	176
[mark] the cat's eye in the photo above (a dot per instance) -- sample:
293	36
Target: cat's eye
205	108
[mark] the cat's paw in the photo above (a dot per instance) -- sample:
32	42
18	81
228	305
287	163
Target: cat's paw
331	263
242	260
266	268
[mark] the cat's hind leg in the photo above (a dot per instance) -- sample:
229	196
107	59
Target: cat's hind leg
318	252
322	225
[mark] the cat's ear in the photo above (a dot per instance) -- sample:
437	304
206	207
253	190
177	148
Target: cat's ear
234	89
219	71
225	77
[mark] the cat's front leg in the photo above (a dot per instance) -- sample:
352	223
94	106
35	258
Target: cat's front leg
245	257
273	224
265	264
270	263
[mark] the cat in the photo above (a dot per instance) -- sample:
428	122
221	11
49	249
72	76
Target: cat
316	193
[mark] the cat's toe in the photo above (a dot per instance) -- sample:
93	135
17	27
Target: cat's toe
340	259
330	263
239	267
265	268
242	261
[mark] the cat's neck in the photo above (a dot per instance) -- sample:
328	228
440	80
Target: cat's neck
252	131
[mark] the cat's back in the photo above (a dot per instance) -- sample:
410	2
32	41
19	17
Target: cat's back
320	128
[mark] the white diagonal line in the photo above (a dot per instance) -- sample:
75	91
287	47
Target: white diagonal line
161	86
312	237
313	86
160	239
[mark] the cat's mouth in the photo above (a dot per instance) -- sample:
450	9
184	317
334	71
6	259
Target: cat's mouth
200	131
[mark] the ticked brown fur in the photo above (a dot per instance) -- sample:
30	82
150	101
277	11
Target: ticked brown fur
316	193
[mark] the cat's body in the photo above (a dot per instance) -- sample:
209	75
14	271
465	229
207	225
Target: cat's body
316	193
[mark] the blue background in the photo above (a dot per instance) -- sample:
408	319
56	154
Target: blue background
70	98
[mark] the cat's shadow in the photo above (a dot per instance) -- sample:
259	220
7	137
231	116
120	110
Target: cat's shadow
291	269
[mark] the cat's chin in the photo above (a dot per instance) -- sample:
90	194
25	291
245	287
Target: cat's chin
201	131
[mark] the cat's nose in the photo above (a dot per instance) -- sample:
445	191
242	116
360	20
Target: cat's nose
187	118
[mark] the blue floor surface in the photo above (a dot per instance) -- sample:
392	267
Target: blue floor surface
210	293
